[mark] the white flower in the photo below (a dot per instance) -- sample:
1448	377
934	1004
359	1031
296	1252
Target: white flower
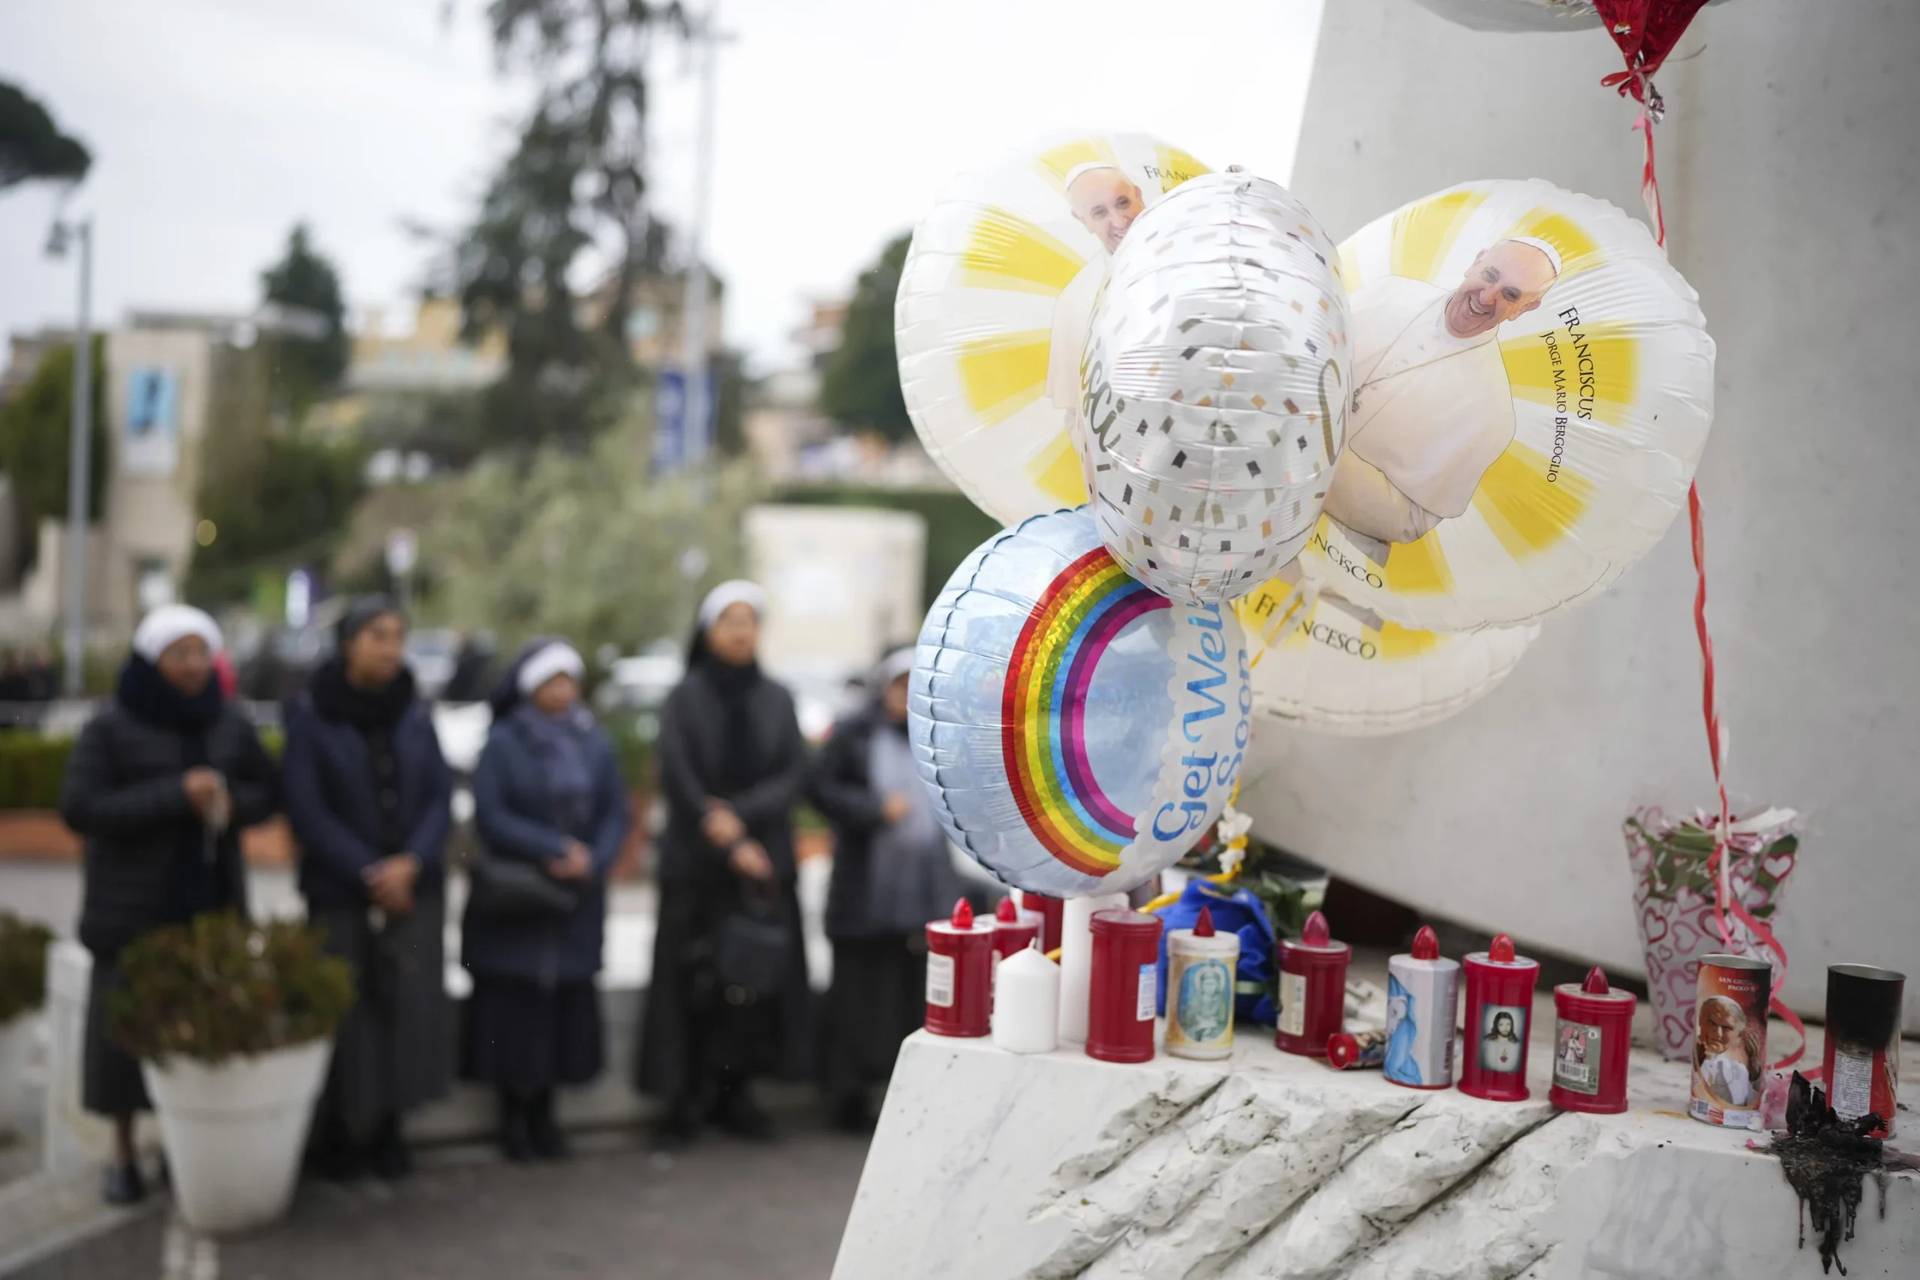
1231	857
1232	831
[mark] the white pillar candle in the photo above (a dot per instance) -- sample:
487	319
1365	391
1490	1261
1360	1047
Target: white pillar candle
1076	960
1026	1002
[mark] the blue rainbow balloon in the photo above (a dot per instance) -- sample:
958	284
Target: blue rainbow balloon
1078	731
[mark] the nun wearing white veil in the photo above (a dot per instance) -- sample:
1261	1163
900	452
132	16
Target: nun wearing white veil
160	784
728	1002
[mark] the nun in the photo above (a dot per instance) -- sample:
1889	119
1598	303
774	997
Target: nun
892	872
549	805
728	999
367	793
159	785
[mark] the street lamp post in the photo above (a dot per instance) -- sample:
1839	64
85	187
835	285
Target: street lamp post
693	311
79	446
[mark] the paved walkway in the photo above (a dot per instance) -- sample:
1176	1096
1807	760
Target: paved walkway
722	1210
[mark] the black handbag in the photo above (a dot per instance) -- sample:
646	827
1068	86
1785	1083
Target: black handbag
508	889
752	952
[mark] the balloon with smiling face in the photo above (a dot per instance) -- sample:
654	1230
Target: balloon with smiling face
1532	390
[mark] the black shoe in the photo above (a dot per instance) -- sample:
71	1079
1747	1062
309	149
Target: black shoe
390	1160
543	1131
516	1139
742	1117
124	1184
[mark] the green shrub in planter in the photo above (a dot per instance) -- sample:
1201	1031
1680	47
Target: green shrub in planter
23	965
219	988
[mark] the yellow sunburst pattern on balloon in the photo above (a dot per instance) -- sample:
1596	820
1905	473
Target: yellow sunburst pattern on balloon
1006	251
1526	512
1004	374
1597	371
1419	568
1056	472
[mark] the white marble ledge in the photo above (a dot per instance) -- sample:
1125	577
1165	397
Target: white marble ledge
989	1165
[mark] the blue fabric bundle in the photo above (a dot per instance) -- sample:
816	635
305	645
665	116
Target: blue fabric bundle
1238	912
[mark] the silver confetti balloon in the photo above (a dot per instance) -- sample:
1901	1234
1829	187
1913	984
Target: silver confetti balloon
1214	388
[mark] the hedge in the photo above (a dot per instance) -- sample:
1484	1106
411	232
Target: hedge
23	965
32	769
33	766
954	525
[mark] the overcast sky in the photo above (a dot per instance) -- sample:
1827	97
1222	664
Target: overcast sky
216	124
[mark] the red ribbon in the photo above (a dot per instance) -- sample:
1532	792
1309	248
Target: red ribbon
1636	80
1724	901
1650	185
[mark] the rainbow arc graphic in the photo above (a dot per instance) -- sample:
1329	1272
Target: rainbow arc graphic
1043	714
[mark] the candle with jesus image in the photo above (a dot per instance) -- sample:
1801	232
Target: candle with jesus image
1499	1001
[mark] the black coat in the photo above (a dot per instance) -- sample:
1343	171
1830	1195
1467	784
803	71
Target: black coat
512	808
687	1034
692	748
841	788
123	794
331	802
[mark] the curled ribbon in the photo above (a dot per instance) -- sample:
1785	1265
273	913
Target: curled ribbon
1724	831
1636	82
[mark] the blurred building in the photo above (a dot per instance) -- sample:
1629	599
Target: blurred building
176	383
783	422
793	441
429	358
656	308
819	337
25	351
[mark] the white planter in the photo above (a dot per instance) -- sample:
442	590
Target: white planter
19	1038
234	1133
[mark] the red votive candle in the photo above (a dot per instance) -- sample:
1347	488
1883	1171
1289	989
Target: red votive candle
960	974
1013	929
1592	1031
1499	1016
1050	910
1124	988
1313	989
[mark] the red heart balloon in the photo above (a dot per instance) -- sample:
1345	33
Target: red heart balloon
1646	31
